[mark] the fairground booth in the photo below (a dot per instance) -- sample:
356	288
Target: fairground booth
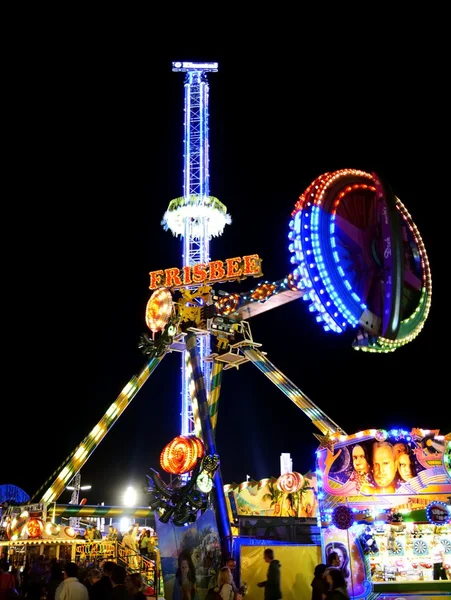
384	500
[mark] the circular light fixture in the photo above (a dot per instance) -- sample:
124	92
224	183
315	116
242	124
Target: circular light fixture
159	309
342	517
204	483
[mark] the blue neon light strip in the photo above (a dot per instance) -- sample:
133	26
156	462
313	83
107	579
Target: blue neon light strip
319	272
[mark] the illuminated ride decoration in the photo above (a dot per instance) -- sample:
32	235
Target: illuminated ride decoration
290	482
16	525
181	455
352	243
342	517
35	527
181	503
216	271
158	310
360	260
383	500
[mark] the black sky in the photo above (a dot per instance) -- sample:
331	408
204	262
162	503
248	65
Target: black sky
94	156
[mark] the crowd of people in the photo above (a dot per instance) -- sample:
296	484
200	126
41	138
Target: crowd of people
54	580
136	541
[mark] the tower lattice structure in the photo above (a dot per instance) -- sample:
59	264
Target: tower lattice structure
196	216
74	499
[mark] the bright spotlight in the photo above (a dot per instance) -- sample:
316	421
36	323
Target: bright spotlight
130	497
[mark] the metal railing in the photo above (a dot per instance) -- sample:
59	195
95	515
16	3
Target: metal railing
99	550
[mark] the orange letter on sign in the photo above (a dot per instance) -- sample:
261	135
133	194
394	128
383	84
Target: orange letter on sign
252	265
172	277
155	279
217	270
233	267
199	273
186	275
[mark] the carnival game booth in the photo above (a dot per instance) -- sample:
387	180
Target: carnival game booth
28	531
384	499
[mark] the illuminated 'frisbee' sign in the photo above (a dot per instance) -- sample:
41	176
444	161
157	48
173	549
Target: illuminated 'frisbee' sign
202	274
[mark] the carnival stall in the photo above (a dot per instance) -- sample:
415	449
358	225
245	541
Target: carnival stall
28	531
384	499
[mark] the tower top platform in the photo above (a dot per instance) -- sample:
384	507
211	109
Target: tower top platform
194	66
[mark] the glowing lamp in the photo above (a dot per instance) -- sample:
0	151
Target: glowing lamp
381	435
159	309
16	526
52	529
130	497
227	304
204	483
70	532
35	527
263	291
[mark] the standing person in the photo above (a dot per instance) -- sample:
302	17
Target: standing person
136	534
319	583
26	578
144	543
37	578
103	589
56	577
129	541
231	563
118	577
337	585
6	581
438	558
135	586
71	588
272	583
92	577
225	586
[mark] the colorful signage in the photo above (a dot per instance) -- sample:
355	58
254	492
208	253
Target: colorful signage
215	271
378	462
438	513
274	497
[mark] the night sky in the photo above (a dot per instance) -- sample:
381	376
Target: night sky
94	145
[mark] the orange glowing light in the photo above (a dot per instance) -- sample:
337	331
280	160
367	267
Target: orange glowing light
159	309
70	531
35	528
227	304
263	291
181	455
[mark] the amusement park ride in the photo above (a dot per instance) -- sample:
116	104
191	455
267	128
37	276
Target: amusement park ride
358	262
